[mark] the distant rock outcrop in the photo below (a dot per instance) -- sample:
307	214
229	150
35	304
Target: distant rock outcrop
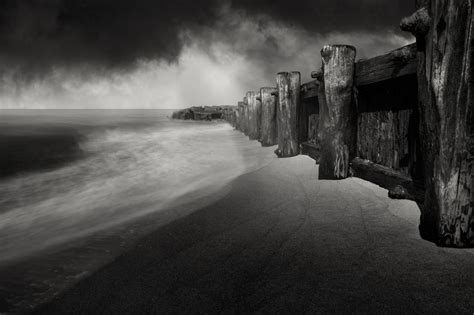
205	113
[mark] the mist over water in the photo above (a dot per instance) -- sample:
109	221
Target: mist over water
131	163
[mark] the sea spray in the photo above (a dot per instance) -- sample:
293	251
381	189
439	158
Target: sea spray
134	164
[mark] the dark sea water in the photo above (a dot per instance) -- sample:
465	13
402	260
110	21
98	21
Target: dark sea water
69	174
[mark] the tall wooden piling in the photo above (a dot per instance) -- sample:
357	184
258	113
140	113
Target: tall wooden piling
268	130
337	114
242	116
245	118
318	75
258	114
444	30
253	116
288	89
238	116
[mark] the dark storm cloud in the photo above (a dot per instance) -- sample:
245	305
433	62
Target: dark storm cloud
333	15
36	34
278	35
113	34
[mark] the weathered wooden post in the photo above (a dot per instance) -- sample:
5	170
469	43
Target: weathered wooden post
238	116
258	114
255	108
288	89
444	31
240	109
268	130
338	125
245	116
318	75
253	116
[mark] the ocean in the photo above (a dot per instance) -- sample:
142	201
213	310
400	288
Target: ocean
67	174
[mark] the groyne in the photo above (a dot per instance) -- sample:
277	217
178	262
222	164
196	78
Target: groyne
403	120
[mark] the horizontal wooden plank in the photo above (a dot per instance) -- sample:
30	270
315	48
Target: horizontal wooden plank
385	138
309	89
397	63
400	186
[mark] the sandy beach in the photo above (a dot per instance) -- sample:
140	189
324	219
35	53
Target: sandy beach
281	240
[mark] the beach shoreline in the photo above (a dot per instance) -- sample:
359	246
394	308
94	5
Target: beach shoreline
61	224
282	241
60	267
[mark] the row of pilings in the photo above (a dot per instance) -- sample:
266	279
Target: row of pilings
273	115
445	125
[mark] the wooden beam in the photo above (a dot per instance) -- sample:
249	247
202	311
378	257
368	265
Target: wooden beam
397	63
388	138
309	89
400	186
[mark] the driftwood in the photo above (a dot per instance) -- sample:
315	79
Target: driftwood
338	117
400	186
288	86
268	130
444	31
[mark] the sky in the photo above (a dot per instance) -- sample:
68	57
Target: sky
176	54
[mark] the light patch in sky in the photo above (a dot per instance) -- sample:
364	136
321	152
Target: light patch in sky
196	79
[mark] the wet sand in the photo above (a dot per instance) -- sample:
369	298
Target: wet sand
283	241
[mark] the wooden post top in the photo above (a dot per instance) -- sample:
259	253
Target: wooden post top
288	72
294	77
329	48
337	50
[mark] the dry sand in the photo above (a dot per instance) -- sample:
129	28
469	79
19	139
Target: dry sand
283	241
